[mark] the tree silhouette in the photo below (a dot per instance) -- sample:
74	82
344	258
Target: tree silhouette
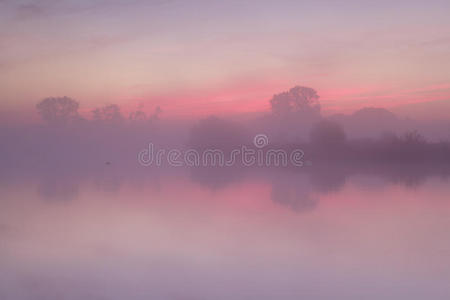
138	115
156	114
109	113
413	137
58	110
216	133
299	99
327	133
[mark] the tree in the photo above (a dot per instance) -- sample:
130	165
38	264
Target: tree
299	99
156	114
414	138
216	133
109	113
327	133
138	115
58	110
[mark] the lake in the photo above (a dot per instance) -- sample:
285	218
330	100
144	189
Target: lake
215	234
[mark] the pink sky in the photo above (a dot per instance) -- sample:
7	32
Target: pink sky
209	57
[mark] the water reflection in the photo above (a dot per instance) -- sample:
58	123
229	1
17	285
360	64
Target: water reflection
297	189
327	232
58	188
294	194
217	178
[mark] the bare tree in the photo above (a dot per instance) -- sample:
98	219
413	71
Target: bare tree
58	110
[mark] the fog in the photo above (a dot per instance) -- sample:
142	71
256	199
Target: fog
64	139
115	206
66	149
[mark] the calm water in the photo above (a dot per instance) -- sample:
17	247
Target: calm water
202	235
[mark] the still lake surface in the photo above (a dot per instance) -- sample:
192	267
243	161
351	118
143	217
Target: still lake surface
207	235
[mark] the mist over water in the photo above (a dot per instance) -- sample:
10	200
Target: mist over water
224	150
362	213
192	234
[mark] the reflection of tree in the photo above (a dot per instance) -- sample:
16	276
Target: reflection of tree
328	180
410	176
58	110
215	178
109	179
58	189
294	193
109	184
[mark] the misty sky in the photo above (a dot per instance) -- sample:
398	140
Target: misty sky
202	57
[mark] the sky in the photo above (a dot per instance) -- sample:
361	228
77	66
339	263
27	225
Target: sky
226	57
